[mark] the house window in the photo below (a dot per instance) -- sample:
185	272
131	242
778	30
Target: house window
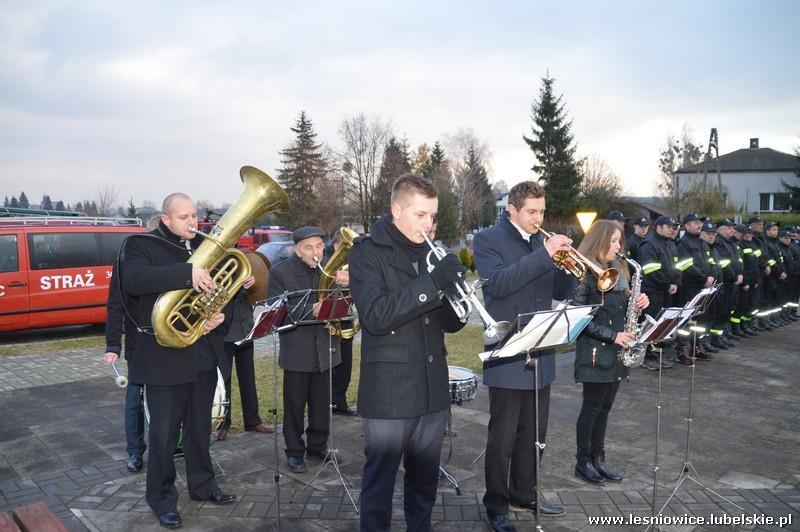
774	201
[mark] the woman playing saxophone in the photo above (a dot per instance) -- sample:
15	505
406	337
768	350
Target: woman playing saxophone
597	362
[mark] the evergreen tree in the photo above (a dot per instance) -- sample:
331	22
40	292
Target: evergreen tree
23	201
47	203
14	202
552	146
439	172
5	203
478	198
131	209
79	207
395	163
60	206
437	156
304	169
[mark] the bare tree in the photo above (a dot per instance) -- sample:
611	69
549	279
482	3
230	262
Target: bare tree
600	186
106	198
360	160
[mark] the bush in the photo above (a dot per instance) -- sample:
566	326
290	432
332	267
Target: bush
466	259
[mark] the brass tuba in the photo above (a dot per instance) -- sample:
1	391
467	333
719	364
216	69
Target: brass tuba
179	315
571	261
338	260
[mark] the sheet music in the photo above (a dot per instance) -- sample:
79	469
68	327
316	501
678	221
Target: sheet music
559	326
669	320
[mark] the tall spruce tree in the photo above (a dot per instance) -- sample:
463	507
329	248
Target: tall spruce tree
60	206
47	203
438	171
23	201
552	146
395	163
14	203
5	203
304	167
478	197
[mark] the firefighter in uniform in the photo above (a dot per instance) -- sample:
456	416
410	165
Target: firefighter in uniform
716	312
660	277
750	279
786	285
732	277
772	296
640	228
794	246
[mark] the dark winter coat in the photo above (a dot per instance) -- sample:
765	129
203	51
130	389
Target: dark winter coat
403	359
151	264
596	354
304	348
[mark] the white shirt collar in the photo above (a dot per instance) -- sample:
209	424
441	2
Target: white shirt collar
526	236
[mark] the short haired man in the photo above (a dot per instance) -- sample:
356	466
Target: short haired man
403	393
619	219
516	260
640	228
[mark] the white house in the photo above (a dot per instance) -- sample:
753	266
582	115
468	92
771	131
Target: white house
752	177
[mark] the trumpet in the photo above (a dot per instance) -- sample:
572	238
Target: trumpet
463	305
121	380
571	261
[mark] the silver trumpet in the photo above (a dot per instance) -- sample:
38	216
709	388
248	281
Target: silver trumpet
121	380
467	301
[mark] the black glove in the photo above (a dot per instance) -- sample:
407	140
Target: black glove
447	271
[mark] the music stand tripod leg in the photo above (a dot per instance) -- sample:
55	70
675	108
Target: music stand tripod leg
274	414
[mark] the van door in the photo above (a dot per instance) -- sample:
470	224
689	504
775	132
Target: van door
14	296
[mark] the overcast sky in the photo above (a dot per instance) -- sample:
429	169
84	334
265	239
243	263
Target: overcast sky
157	97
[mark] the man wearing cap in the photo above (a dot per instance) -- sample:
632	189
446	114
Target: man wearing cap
660	277
762	255
640	228
619	219
743	238
786	284
307	352
693	261
794	246
731	265
772	298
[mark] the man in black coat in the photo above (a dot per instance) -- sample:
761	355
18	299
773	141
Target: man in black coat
516	260
179	383
403	392
307	352
640	228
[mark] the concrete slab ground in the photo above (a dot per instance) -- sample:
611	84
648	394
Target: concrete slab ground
61	442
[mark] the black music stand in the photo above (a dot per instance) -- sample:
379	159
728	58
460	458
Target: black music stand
699	304
545	329
335	308
270	321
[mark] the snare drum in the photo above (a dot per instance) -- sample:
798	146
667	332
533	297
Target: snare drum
463	385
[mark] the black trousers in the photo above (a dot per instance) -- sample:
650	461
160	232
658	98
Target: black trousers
510	464
245	370
170	407
418	442
598	398
744	307
301	388
341	375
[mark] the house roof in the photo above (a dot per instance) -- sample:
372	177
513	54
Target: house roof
747	160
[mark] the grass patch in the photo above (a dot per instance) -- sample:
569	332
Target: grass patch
49	347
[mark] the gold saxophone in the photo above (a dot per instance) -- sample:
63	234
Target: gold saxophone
338	260
179	315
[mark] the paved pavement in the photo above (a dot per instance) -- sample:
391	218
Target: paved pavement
61	441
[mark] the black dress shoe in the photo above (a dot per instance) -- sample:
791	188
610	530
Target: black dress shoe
500	523
587	472
544	508
218	497
606	471
323	454
170	520
135	463
345	412
296	464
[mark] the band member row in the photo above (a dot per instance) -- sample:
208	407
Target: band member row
403	393
516	260
307	352
179	383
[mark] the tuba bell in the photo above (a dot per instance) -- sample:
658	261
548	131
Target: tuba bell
338	260
179	315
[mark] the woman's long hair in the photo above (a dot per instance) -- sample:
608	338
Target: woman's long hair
597	242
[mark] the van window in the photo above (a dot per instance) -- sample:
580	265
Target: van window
109	246
9	255
280	237
63	250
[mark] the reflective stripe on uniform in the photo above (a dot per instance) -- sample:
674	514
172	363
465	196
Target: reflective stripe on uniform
771	262
685	263
724	263
757	253
711	260
651	267
747	250
715	331
735	320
